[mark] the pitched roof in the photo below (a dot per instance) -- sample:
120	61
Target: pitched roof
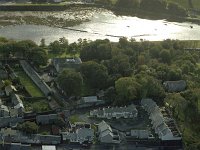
17	101
10	88
175	86
104	126
130	108
48	147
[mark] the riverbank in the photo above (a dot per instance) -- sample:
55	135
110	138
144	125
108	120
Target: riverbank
153	16
68	18
62	8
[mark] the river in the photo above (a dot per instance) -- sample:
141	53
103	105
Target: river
103	25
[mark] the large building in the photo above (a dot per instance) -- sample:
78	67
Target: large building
115	112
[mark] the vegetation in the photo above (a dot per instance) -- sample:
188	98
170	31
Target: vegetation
71	82
28	127
32	89
129	71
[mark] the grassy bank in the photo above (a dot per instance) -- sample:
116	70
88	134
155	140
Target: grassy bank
32	89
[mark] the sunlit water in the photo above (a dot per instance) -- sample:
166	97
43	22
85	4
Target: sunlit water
107	25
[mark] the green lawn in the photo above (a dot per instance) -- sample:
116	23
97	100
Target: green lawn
75	118
33	90
63	55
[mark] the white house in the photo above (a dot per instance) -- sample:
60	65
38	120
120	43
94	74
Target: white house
4	112
9	89
89	101
16	101
115	112
106	134
57	1
159	123
79	134
141	134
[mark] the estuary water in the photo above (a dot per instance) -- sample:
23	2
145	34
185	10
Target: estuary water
103	25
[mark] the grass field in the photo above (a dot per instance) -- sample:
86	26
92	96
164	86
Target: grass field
32	89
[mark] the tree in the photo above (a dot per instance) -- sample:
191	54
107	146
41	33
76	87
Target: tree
71	82
42	43
176	9
97	50
128	3
177	104
127	89
154	5
59	47
174	73
39	56
119	64
165	56
95	74
150	87
29	127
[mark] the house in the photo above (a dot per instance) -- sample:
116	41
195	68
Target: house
49	139
141	134
62	63
19	146
4	112
9	135
16	101
48	147
3	74
175	86
9	89
80	133
10	121
57	1
46	119
89	101
1	84
106	134
2	93
159	123
115	112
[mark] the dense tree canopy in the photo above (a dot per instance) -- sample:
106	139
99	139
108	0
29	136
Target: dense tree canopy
29	127
97	50
71	82
128	3
95	74
127	89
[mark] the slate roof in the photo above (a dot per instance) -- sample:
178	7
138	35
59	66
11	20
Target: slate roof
46	118
48	147
47	139
4	112
2	84
142	134
3	74
117	112
9	89
175	86
19	146
62	63
17	102
158	121
102	126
